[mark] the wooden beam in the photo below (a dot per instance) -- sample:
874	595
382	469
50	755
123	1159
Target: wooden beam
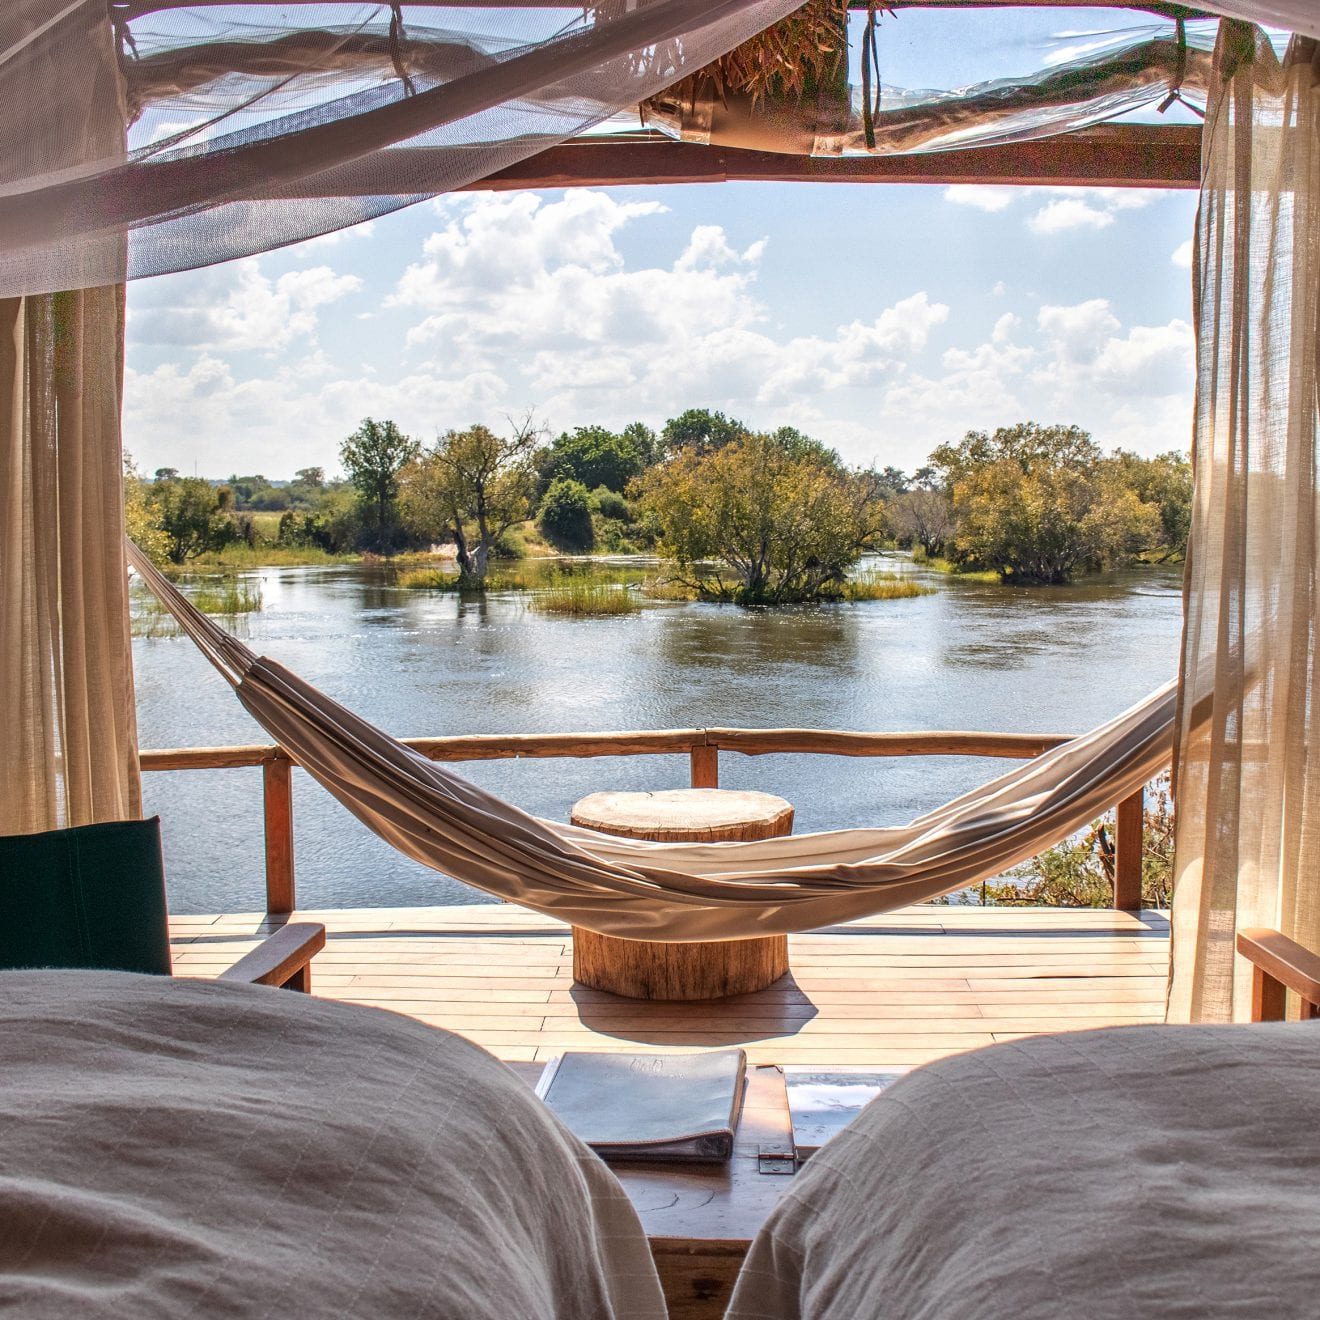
1111	156
134	9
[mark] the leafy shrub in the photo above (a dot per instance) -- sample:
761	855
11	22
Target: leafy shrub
610	504
1079	872
564	517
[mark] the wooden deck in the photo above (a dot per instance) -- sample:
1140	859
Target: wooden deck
903	988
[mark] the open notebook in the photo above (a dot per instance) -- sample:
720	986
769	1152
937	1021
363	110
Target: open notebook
649	1106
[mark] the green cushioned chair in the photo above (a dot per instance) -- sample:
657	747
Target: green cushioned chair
94	897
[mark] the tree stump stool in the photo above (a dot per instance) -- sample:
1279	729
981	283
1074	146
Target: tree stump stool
712	969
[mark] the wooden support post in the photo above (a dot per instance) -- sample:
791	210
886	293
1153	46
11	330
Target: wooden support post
277	782
1128	847
1269	998
705	766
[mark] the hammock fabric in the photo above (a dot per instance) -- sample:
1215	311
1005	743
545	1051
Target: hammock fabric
679	891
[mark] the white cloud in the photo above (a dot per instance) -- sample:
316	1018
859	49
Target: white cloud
1182	255
236	307
1077	333
981	196
1004	328
1068	213
586	334
1086	208
1136	380
596	307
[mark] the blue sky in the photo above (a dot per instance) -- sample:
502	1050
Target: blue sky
883	320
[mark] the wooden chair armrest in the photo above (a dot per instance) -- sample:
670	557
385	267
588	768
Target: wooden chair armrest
1279	964
283	959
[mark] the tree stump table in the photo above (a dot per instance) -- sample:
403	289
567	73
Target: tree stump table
711	969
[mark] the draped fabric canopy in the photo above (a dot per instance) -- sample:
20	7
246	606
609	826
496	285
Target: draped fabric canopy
251	126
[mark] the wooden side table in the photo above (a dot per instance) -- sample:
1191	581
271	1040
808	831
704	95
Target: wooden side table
651	969
700	1219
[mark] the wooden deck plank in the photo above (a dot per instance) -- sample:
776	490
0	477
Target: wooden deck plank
898	989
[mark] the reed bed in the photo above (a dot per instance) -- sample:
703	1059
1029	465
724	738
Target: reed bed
228	596
585	597
427	579
872	584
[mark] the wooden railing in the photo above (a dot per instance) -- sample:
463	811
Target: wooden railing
702	747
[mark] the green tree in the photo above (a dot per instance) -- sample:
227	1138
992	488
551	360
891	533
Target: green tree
193	516
373	456
593	456
564	516
785	516
472	487
1165	482
644	440
1040	503
700	431
141	519
923	517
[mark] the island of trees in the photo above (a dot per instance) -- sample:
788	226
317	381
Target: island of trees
741	515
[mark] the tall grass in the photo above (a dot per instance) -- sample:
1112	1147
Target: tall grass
436	579
227	596
585	596
427	579
872	584
266	555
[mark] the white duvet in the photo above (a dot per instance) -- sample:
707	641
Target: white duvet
180	1148
1125	1174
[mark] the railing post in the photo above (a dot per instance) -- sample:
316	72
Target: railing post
277	783
1127	849
705	766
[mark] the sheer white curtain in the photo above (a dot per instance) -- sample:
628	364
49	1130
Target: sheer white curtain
68	752
68	741
1248	823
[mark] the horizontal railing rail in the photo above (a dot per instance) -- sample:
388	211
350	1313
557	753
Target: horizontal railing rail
702	746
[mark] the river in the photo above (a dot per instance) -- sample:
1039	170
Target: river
968	656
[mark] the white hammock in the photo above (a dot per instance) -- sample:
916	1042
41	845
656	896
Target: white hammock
679	891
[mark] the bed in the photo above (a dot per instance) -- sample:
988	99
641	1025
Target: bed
191	1148
1127	1172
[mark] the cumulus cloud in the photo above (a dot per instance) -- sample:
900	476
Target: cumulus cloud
589	307
981	196
1182	255
1069	213
1085	208
589	334
236	307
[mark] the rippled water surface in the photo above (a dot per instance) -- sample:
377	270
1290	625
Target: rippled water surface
969	656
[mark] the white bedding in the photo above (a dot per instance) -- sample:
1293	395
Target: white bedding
186	1148
1134	1172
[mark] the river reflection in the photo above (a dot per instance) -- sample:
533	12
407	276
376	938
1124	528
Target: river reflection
970	655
